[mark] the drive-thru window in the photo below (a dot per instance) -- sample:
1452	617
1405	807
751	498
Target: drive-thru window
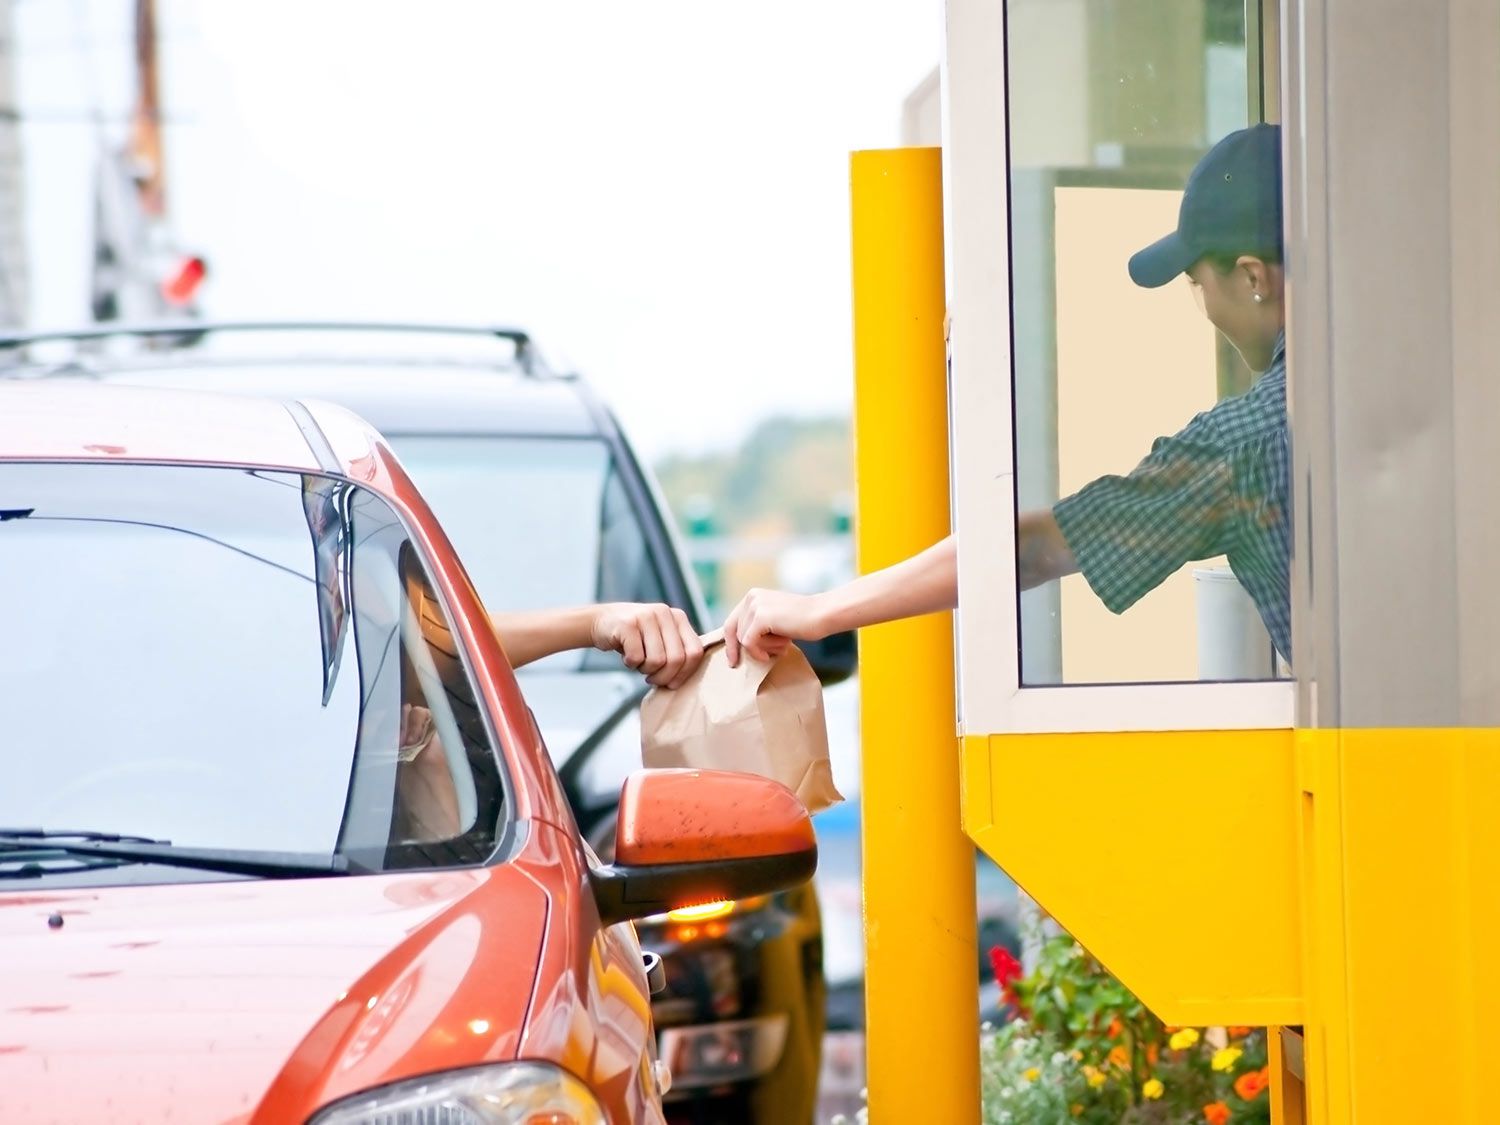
1276	634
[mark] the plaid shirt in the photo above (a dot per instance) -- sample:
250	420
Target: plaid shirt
1218	487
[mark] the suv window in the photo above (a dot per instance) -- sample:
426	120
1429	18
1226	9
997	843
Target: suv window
539	522
237	659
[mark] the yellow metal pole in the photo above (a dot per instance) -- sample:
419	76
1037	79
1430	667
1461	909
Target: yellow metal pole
921	961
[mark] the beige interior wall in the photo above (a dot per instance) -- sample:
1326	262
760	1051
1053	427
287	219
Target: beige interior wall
1132	364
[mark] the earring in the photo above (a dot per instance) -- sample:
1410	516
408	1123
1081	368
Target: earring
1255	297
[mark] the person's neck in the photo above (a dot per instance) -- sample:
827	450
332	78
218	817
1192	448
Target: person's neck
1262	351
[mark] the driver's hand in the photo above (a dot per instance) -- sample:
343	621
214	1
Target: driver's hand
428	799
657	640
417	731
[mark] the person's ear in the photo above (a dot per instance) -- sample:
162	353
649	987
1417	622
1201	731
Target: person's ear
1263	280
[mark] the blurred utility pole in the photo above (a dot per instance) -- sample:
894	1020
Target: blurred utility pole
139	270
145	146
14	274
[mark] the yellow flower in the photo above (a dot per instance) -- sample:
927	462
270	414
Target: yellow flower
1226	1058
1152	1089
1095	1076
1076	1055
1183	1039
1031	1073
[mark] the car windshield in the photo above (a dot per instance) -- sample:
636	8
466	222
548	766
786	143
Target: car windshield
539	522
234	658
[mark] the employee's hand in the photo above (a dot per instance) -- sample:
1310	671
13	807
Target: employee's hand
657	640
767	621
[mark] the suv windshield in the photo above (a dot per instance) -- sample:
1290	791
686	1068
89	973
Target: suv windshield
234	658
539	523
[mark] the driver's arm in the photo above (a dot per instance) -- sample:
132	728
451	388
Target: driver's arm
658	640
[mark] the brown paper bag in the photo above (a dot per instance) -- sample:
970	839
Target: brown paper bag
763	718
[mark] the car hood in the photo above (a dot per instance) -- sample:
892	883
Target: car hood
571	707
188	1002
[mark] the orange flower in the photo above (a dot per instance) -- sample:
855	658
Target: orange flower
1152	1053
1238	1032
1119	1056
1216	1113
1252	1082
1115	1027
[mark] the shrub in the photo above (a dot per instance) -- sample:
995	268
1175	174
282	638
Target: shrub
1079	1047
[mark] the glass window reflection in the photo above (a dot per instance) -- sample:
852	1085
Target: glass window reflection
234	659
562	500
1151	444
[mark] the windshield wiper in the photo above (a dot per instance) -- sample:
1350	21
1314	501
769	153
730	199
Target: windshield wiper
32	863
77	834
139	849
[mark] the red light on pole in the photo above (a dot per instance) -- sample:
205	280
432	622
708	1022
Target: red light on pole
181	285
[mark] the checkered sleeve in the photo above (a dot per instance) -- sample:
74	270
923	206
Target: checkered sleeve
1128	533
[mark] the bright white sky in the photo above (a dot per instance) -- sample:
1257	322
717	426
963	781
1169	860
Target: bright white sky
659	190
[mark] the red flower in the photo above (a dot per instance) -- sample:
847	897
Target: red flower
1251	1083
1007	971
1006	967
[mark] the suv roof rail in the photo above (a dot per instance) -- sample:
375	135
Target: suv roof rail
527	356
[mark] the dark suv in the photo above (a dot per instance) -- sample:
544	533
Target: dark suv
496	440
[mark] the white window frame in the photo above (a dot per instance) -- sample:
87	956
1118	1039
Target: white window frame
976	207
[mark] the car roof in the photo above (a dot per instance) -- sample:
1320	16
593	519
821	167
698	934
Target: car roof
431	397
47	420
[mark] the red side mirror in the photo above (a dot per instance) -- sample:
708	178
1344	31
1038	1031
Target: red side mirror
690	836
698	816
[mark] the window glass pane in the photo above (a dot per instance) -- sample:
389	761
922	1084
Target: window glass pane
1162	503
234	659
539	522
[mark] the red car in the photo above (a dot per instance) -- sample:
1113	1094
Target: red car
279	839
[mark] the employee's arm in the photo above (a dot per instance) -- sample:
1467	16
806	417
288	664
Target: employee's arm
658	640
1042	554
765	620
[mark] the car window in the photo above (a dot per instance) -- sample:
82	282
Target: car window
539	523
234	659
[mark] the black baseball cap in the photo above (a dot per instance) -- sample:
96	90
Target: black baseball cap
1231	205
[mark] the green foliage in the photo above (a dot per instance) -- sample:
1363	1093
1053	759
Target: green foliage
792	469
1026	1079
1082	1048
